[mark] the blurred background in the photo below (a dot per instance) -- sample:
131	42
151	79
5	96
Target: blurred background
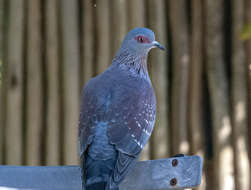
50	48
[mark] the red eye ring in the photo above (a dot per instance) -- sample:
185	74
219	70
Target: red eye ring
142	39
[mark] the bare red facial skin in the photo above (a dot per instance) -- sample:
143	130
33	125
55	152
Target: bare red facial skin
142	39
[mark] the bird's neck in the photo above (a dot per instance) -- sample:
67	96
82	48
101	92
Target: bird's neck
136	64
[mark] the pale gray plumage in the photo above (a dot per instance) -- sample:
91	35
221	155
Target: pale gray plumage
117	114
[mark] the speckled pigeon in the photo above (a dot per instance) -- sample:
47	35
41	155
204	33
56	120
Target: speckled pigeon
117	114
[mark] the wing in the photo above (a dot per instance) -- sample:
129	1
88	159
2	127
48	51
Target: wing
132	117
123	165
93	109
86	121
86	127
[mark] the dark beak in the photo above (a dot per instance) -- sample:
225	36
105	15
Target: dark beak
158	45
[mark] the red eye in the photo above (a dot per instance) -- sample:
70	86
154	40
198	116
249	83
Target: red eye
142	39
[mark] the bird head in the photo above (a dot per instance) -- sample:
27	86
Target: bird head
141	41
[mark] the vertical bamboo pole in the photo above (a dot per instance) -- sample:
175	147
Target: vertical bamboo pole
2	120
119	18
70	53
247	10
159	76
219	97
195	83
87	40
136	13
14	85
52	69
179	33
247	19
239	99
136	18
2	85
103	42
2	9
34	84
195	79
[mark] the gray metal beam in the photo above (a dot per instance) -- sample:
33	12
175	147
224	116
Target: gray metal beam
163	174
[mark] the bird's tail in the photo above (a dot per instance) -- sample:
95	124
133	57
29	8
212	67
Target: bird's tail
111	186
100	186
96	173
96	186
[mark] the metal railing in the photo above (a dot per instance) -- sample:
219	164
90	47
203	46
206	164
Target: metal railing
164	174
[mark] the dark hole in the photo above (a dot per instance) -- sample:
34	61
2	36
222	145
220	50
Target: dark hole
173	182
174	162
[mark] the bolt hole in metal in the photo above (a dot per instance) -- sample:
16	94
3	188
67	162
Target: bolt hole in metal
173	182
175	162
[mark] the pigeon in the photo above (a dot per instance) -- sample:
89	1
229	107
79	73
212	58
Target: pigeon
117	114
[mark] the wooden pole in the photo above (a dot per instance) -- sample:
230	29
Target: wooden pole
14	83
2	76
2	11
120	19
219	97
103	41
52	70
239	99
35	89
70	58
195	127
195	80
180	70
136	14
247	43
88	51
159	75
